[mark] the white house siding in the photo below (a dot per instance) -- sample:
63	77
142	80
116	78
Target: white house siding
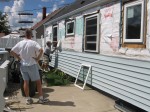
124	78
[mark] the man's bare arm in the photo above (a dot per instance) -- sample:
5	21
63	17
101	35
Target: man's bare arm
39	56
15	55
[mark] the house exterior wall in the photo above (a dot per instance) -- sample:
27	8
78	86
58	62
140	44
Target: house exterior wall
119	71
124	78
148	25
109	21
39	32
109	33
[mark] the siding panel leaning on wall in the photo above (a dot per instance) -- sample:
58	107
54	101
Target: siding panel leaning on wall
126	79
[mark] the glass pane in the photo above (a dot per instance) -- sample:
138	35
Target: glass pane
55	31
91	21
70	27
90	47
82	76
55	39
133	22
91	26
90	38
91	30
54	42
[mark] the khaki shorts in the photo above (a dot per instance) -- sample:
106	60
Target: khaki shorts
45	59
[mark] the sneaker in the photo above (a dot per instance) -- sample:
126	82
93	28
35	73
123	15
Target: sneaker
29	101
43	101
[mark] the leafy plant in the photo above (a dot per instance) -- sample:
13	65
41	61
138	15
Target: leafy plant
57	77
4	27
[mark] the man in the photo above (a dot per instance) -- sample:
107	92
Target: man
29	52
46	56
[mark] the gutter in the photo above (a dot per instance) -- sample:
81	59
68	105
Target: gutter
91	5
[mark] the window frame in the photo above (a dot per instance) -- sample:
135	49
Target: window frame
97	35
54	26
141	40
67	22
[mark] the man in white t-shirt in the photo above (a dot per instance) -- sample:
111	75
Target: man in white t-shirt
28	52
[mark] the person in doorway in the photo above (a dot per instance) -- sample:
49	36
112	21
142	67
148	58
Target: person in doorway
26	52
47	57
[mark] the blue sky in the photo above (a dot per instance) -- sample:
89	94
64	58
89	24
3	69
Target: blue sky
14	6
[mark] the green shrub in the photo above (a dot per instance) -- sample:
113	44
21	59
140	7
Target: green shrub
56	78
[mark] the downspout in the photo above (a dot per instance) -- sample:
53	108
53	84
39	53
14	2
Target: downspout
120	25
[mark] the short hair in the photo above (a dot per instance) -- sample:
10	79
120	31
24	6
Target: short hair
28	32
48	42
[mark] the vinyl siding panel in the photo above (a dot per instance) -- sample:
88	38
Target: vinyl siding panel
127	79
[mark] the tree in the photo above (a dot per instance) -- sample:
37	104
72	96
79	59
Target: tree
4	27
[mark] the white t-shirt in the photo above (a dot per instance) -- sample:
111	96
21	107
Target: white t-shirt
47	50
27	49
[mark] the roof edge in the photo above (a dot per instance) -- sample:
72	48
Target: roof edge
96	3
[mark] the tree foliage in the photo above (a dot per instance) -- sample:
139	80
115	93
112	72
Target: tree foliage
4	24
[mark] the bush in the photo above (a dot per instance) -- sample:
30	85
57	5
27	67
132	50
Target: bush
56	78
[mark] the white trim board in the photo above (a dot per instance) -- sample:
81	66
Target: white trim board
85	78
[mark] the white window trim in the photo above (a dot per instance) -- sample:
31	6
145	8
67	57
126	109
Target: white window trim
72	21
97	42
142	23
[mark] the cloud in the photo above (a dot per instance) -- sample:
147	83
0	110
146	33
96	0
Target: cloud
7	9
38	18
62	1
55	6
45	0
13	17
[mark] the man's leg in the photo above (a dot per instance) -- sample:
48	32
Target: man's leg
25	75
35	76
39	87
26	90
26	87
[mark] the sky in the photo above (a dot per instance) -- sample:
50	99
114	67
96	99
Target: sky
12	8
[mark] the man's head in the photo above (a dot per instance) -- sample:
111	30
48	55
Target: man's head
48	43
28	33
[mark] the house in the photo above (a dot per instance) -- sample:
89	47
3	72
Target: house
111	36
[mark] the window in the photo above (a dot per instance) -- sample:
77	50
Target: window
91	33
55	29
70	28
133	22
